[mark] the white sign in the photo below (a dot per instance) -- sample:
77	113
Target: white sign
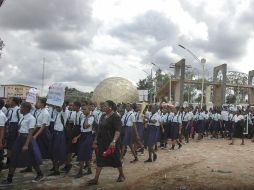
143	95
31	96
56	94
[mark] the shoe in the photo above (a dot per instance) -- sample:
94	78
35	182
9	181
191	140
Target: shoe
120	179
92	182
79	175
89	172
38	178
142	153
85	167
135	160
172	148
149	160
68	168
6	182
26	170
55	173
180	146
154	157
62	169
52	169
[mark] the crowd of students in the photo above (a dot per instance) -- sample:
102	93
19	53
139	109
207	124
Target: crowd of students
30	134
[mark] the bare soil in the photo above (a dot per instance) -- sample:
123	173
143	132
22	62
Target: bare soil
208	164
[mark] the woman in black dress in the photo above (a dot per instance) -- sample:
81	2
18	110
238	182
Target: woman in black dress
108	137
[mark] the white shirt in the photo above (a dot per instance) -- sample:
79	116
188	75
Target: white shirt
42	117
128	119
177	118
185	116
190	115
200	115
216	117
52	113
4	110
15	114
77	117
88	121
139	117
164	118
58	126
155	117
26	122
238	118
100	113
3	119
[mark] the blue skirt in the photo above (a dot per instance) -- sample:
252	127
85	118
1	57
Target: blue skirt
12	134
58	146
51	127
158	134
174	131
140	129
71	132
216	126
44	141
31	157
128	136
85	147
152	135
200	126
146	133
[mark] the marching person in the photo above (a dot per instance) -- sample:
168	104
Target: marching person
3	120
238	127
58	145
85	142
176	122
152	131
107	138
128	123
25	151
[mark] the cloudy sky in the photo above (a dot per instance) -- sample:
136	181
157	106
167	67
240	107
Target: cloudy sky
86	41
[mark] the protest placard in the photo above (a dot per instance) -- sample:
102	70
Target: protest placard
56	94
31	96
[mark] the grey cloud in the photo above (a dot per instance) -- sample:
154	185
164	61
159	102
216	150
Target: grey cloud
37	14
227	37
152	25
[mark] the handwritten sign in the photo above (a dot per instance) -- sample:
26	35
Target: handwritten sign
56	94
31	96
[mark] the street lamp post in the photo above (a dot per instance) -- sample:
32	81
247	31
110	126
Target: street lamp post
202	61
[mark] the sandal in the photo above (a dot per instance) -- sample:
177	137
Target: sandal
92	182
120	179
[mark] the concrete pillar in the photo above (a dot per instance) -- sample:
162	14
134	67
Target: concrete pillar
251	90
180	75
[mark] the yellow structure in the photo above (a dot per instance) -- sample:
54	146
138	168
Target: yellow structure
14	90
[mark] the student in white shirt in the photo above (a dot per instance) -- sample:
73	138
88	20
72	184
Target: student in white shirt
153	128
176	123
3	120
58	145
25	150
238	126
128	123
85	139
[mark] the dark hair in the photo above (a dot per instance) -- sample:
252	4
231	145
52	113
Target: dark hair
16	100
111	104
77	103
26	105
43	101
66	102
1	103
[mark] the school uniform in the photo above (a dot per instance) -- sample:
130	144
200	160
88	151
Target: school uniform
4	110
3	120
128	121
153	128
44	139
176	121
164	121
140	125
238	126
58	145
216	122
52	112
31	157
69	128
200	122
86	139
12	128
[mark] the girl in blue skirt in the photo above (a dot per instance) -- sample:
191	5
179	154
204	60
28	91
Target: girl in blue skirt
176	122
25	151
152	127
3	120
128	123
85	142
58	144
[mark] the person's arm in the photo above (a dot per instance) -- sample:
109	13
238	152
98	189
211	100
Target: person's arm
75	139
1	137
117	125
41	129
28	139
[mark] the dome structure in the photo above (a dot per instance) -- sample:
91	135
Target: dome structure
116	89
